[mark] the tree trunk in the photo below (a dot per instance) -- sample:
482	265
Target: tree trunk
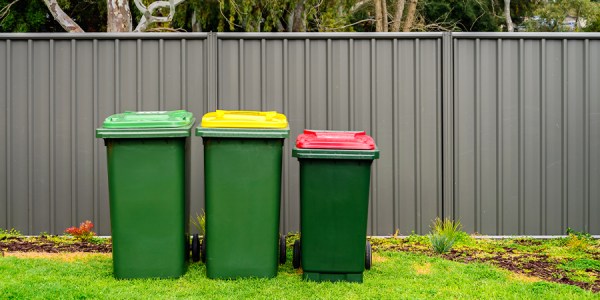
398	15
410	15
196	26
119	16
378	16
63	19
509	24
384	15
298	23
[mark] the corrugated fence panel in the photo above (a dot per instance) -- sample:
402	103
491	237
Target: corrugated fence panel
389	86
521	152
526	133
56	89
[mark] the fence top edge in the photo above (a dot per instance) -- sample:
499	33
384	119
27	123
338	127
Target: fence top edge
103	36
328	35
526	35
298	35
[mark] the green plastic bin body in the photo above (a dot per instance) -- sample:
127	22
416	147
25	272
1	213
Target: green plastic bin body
149	199
334	201
242	175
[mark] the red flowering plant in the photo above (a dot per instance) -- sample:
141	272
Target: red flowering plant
83	232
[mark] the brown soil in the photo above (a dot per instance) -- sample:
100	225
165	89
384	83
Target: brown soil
43	244
527	265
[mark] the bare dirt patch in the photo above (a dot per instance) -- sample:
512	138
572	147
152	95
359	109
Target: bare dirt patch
378	258
422	269
64	256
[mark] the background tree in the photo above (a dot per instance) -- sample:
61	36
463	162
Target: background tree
550	17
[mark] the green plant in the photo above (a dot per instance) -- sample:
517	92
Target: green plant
200	222
11	233
578	240
444	234
579	234
83	232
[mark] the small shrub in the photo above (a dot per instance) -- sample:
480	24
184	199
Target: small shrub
444	234
83	232
200	222
578	240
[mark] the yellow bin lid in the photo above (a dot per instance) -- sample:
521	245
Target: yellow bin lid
244	119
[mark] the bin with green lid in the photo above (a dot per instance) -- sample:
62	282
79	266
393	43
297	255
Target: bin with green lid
147	155
242	180
335	172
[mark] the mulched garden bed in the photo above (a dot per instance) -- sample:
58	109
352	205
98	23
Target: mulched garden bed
52	245
529	264
537	265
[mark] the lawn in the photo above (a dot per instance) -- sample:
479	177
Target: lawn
394	275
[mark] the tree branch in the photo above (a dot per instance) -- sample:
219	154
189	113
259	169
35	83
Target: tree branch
5	10
63	19
358	5
148	12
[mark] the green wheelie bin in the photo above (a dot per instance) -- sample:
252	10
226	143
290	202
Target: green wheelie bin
242	181
335	171
147	155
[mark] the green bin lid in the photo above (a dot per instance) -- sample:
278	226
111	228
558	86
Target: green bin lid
335	153
147	124
149	119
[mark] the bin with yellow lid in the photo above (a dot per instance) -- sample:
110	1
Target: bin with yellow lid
242	179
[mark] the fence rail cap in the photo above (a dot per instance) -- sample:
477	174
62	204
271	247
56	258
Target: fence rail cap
525	35
103	36
329	35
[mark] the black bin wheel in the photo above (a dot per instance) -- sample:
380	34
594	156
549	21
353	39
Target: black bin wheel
195	248
368	255
296	255
282	254
203	249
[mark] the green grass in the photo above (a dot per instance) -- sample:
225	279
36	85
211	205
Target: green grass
395	275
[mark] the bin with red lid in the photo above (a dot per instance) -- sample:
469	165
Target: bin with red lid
335	175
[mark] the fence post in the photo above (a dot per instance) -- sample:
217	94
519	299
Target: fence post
212	57
447	126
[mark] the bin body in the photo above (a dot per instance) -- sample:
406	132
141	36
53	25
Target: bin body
149	203
242	173
334	200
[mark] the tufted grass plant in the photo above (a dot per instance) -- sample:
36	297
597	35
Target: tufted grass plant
444	233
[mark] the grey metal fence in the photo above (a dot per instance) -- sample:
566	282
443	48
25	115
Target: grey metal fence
470	126
527	132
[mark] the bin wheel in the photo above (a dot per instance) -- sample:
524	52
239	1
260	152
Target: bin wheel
296	255
203	249
282	254
368	256
195	248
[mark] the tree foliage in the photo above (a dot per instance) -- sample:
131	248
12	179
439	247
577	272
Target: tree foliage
313	15
460	15
551	17
266	15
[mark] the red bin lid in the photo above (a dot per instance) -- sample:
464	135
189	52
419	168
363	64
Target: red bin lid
325	139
